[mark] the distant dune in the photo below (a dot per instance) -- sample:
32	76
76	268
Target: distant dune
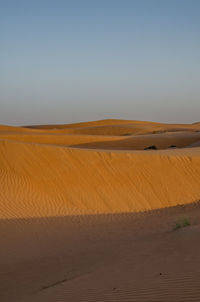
87	214
117	127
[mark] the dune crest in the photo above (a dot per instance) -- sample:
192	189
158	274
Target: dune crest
45	180
94	168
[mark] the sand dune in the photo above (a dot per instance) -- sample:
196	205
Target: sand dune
81	218
107	134
54	173
117	127
59	139
106	122
140	142
135	142
50	180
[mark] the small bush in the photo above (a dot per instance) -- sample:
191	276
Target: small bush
186	222
177	226
151	148
181	224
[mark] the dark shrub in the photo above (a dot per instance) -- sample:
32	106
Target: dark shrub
151	148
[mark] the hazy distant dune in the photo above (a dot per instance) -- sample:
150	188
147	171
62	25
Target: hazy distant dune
107	134
105	122
117	128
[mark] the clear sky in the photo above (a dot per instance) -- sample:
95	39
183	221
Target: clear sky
69	61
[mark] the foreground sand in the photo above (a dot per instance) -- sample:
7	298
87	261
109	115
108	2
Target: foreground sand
119	257
69	194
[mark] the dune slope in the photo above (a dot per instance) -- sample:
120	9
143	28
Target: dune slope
42	180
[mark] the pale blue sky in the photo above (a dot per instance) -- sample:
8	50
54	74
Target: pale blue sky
68	61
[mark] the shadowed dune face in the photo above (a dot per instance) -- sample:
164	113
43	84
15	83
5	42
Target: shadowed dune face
122	257
195	144
140	142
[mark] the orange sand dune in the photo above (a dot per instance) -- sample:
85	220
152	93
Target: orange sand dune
137	142
58	138
88	215
118	127
15	129
107	134
131	129
105	122
51	181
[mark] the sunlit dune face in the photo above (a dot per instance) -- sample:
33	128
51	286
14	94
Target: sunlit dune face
97	167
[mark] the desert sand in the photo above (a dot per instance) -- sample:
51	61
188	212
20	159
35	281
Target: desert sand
88	215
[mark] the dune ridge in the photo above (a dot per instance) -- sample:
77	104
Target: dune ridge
51	180
107	134
94	167
106	127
